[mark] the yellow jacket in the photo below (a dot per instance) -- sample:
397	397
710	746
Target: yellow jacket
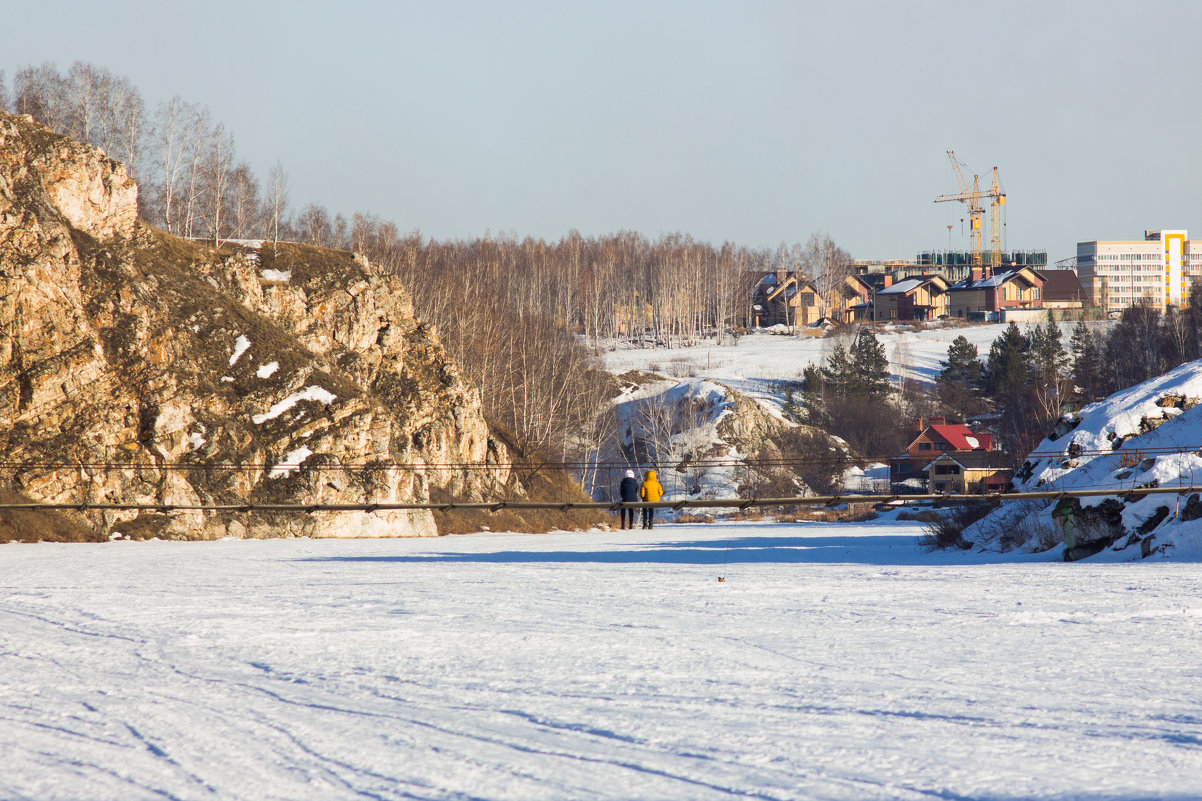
651	490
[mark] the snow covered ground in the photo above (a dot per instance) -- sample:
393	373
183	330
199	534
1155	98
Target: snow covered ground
834	662
761	358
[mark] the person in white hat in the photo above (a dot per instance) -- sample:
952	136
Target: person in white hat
628	491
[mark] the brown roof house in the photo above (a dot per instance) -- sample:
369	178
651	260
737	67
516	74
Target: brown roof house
1062	289
848	297
983	294
921	297
790	299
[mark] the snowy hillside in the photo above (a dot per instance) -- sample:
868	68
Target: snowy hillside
1147	436
759	361
834	662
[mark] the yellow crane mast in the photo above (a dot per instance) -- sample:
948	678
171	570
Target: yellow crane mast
973	196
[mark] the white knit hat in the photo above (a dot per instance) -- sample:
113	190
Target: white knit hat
630	474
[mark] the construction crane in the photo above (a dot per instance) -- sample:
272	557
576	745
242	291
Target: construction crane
973	196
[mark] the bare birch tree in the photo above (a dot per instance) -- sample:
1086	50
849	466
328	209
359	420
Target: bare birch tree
39	93
827	265
246	213
277	199
216	169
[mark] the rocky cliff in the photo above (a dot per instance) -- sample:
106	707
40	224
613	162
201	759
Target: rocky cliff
140	368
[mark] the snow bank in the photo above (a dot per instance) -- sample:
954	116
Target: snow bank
1146	436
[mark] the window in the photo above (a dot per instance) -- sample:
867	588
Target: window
924	446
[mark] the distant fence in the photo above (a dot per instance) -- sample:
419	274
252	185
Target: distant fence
715	503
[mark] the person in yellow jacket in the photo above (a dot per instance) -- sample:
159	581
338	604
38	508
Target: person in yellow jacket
650	491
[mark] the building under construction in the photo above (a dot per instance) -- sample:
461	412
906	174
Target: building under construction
952	265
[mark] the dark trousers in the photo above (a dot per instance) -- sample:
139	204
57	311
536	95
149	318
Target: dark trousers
627	517
648	515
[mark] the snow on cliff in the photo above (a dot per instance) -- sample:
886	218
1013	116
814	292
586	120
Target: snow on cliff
1149	435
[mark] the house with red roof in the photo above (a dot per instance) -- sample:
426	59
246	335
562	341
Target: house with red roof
935	436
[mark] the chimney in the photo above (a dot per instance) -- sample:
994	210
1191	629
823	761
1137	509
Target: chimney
888	281
918	426
975	274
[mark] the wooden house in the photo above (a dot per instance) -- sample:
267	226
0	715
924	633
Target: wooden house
970	471
921	297
983	293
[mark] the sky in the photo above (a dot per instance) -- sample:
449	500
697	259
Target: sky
755	123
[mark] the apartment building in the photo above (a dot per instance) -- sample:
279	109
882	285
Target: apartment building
1159	270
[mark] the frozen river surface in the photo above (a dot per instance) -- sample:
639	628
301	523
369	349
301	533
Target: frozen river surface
833	662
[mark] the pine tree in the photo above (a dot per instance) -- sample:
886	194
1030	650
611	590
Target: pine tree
1087	368
1048	357
963	365
870	367
838	373
959	382
1007	385
1049	363
1007	371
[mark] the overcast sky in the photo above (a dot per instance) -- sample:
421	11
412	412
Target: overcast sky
753	122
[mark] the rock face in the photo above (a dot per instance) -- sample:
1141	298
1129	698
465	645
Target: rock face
139	368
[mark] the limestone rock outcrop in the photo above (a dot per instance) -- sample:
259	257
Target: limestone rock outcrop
136	367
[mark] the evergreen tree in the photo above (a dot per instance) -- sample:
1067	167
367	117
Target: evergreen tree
1050	388
1087	367
959	382
1007	370
812	406
870	367
963	365
839	374
1007	386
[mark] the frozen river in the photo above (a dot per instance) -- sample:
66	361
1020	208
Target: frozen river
833	662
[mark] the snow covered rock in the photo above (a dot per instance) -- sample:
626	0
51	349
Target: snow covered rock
1142	437
697	433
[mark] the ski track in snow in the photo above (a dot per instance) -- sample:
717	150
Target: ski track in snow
834	662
